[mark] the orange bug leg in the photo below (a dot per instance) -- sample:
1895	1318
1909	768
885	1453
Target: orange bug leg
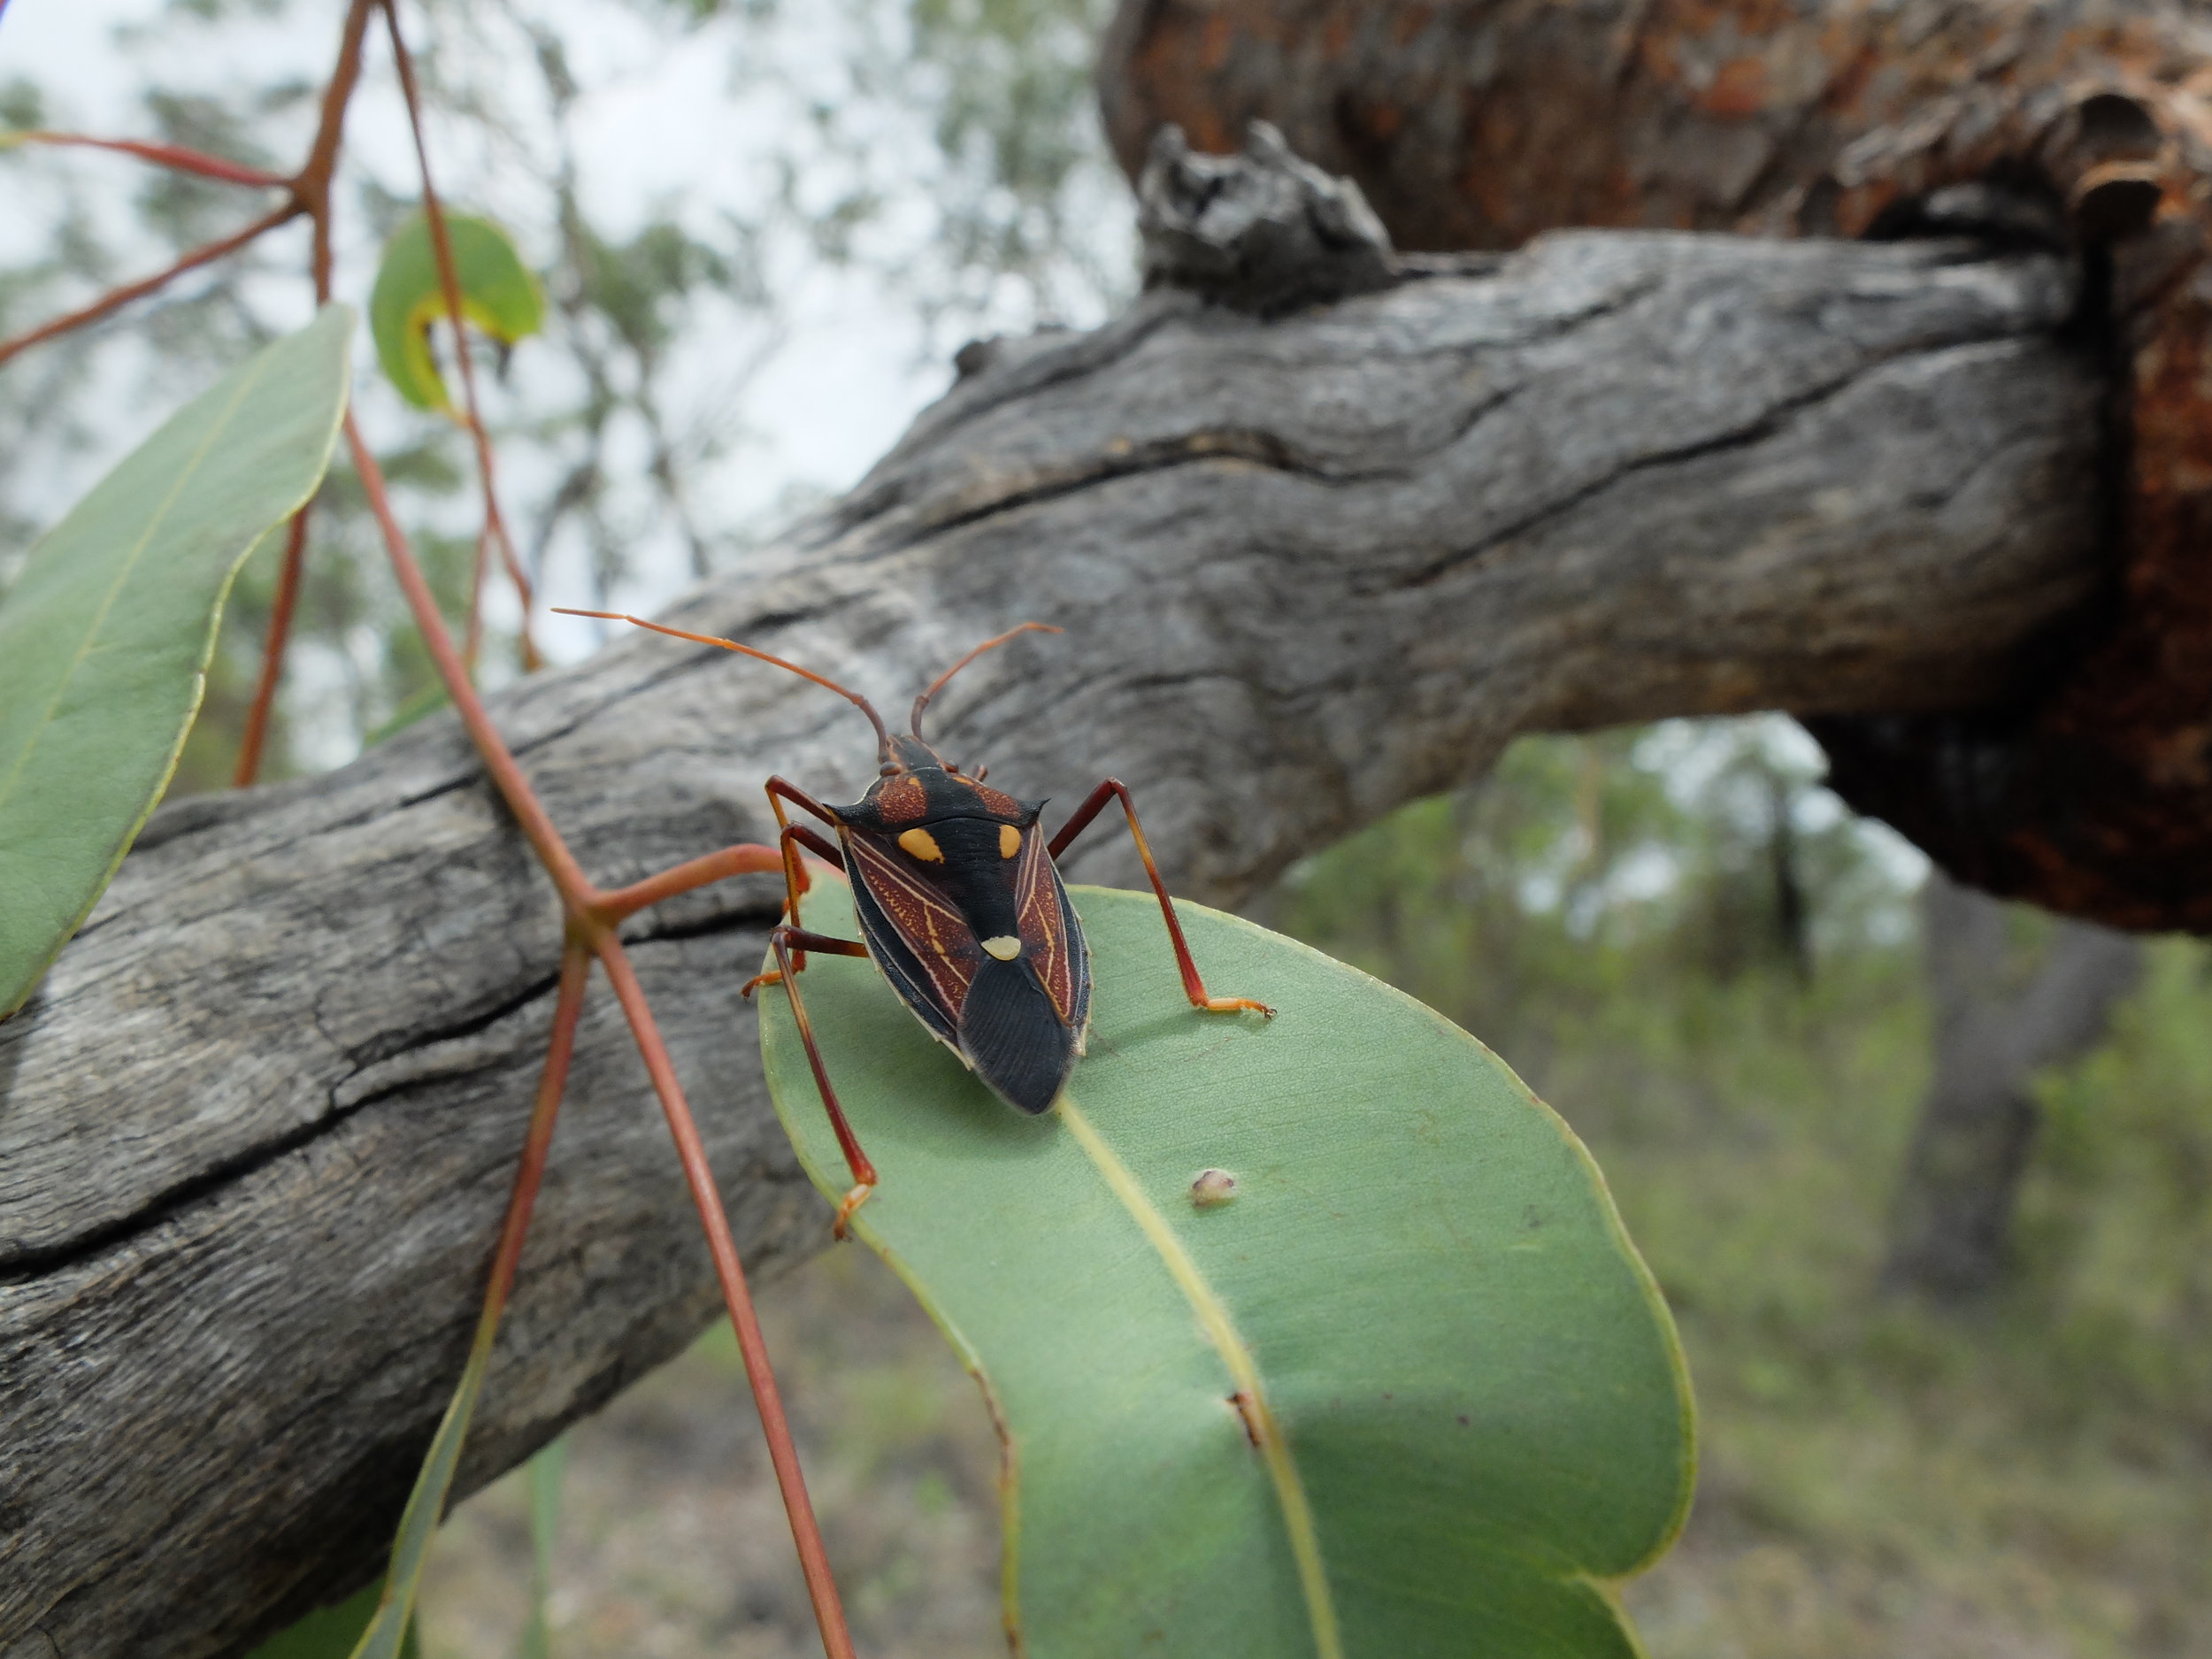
1194	987
782	941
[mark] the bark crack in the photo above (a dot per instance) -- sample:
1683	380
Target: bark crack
1763	426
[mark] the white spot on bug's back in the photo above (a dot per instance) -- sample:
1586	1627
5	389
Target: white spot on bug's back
1005	947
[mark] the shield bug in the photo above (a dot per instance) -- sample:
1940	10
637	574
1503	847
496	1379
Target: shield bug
960	904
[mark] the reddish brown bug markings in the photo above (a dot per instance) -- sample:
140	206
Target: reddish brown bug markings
903	800
920	913
1045	936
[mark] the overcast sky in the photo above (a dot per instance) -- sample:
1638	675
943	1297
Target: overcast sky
664	128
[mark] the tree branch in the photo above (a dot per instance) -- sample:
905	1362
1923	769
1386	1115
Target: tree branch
256	1128
2077	123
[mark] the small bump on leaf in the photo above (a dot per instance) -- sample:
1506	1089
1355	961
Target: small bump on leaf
1213	1188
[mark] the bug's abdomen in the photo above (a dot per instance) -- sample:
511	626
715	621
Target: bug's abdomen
1014	1037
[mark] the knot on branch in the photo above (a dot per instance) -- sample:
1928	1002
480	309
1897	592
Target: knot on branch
1262	231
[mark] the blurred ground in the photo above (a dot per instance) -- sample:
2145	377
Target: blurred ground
673	1543
2031	1479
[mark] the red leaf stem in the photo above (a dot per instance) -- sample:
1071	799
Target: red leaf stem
173	155
829	1613
115	299
287	595
450	280
593	914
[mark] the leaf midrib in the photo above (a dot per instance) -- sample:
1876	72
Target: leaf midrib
1236	1354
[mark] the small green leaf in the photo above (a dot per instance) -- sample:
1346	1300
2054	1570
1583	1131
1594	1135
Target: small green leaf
547	1470
1468	1411
329	1632
498	295
389	1631
105	636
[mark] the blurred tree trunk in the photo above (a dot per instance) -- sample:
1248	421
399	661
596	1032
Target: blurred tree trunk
1951	1234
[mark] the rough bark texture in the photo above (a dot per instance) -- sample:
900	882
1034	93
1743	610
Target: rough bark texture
1996	1028
257	1127
1479	123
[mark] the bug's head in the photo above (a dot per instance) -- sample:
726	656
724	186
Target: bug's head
894	754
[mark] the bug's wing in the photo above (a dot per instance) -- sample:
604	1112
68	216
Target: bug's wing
1022	1024
1012	1035
921	942
1052	936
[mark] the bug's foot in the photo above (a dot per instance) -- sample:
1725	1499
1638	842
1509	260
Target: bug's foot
774	976
842	1229
1235	1005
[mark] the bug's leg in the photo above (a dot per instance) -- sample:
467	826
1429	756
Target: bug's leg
794	878
863	1172
802	941
1194	987
800	835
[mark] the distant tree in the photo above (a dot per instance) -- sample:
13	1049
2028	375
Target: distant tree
2013	993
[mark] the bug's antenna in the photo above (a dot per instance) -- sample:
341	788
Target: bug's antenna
938	684
883	737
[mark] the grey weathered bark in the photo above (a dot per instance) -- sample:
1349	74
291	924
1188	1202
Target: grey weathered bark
1951	1235
1475	124
257	1127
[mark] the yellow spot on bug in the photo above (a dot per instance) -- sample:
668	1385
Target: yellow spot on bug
1009	841
922	845
1005	947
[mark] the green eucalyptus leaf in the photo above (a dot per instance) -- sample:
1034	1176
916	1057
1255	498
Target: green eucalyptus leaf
547	1469
498	295
1464	1410
330	1632
391	1623
105	635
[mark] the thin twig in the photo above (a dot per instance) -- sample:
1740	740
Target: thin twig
594	913
115	299
450	280
829	1613
287	595
311	186
309	195
426	1504
174	156
537	1144
311	189
745	859
576	891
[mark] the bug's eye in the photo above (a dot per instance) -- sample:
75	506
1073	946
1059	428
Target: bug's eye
920	844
